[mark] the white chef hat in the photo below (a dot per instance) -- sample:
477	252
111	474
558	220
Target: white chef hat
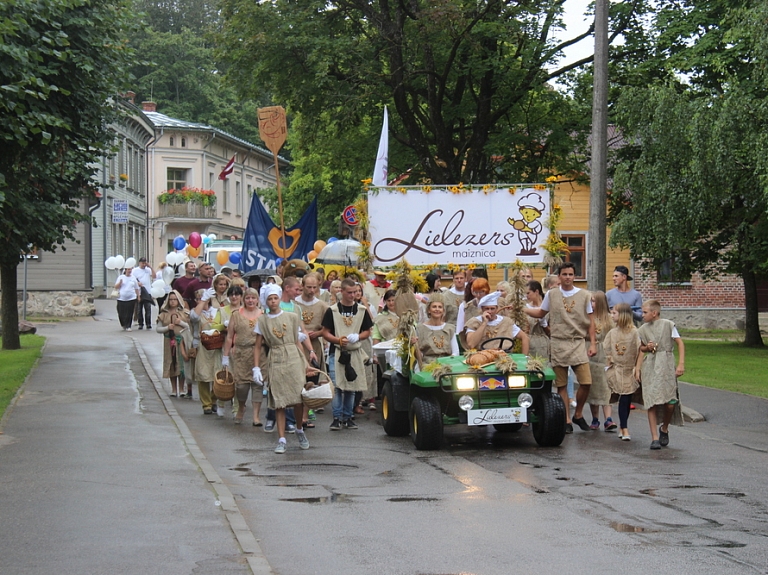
492	299
268	290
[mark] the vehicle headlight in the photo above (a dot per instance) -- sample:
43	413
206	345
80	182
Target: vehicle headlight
465	382
466	403
525	400
517	381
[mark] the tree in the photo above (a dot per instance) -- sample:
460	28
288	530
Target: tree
61	62
693	188
463	79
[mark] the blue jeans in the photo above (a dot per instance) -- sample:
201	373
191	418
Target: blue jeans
343	401
571	378
289	416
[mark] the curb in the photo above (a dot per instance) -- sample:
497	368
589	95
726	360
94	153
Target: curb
254	555
691	415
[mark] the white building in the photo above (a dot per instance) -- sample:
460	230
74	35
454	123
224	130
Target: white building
186	154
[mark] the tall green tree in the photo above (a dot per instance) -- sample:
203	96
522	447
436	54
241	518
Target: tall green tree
463	79
691	180
61	62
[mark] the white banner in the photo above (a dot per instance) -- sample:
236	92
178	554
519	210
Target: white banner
493	224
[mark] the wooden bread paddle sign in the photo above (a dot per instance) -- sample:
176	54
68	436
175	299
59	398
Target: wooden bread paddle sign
273	130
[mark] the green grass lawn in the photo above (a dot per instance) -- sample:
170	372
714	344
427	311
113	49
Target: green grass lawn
16	365
727	365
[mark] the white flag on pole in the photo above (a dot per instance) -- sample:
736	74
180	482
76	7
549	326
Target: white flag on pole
382	157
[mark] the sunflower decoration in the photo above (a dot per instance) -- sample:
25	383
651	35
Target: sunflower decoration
555	247
364	259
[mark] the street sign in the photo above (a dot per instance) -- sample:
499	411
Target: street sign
119	211
349	215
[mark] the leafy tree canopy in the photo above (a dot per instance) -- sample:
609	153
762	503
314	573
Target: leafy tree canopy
61	61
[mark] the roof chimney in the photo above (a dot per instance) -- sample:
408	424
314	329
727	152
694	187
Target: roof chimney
130	96
149	106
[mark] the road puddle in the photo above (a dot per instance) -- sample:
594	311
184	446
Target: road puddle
410	499
333	498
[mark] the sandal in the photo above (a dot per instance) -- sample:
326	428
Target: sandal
308	425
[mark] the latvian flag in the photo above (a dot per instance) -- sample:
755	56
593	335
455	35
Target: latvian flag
228	169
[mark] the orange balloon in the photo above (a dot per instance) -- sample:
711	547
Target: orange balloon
312	255
319	245
193	252
222	256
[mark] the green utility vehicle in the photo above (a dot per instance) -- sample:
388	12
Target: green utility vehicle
416	403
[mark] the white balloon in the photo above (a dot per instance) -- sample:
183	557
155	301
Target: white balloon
168	275
158	283
157	291
212	236
130	263
119	262
171	258
110	263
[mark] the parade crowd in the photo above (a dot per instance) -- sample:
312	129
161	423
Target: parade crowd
280	334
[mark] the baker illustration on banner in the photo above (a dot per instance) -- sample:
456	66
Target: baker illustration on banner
528	228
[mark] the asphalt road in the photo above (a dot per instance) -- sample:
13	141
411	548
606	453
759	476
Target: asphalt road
99	473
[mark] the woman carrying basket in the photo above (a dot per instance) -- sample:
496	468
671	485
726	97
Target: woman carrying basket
282	333
208	361
239	347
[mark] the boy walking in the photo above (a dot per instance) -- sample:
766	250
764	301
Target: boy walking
659	375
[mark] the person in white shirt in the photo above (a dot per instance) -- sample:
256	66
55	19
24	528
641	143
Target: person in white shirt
571	321
128	293
143	275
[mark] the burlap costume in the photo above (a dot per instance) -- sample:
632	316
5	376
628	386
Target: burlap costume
387	323
568	327
599	392
173	362
539	345
505	328
621	349
659	379
312	318
344	326
452	302
287	367
241	354
208	361
435	343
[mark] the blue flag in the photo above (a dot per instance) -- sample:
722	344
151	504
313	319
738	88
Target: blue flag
263	240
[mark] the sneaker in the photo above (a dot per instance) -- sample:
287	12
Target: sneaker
655	444
311	415
320	410
349	424
290	428
128	329
149	327
663	437
219	412
269	426
303	441
335	425
141	327
581	422
207	411
568	428
372	406
280	447
595	424
610	425
573	403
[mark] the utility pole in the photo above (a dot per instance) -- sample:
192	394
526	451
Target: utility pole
596	261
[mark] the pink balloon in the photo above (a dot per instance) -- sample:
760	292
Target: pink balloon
195	240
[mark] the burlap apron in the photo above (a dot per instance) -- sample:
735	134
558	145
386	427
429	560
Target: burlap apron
568	328
358	356
312	318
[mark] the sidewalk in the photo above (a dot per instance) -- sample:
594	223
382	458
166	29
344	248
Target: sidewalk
94	475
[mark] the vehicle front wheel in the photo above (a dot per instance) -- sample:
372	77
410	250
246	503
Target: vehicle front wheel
549	430
507	427
395	423
426	423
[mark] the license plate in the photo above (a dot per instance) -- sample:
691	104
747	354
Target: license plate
497	415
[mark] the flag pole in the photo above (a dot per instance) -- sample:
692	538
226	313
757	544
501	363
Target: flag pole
273	130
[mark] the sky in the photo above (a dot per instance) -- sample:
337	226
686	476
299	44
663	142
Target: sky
576	23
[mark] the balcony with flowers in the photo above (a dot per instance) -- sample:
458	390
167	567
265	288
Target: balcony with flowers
188	203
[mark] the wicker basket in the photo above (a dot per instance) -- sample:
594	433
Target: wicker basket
215	341
313	403
224	385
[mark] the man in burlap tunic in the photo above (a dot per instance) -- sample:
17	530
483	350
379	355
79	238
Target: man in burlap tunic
311	311
345	325
570	322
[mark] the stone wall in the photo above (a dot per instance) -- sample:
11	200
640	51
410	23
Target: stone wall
705	318
58	303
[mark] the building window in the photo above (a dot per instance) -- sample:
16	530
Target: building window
177	179
172	141
225	196
669	273
211	180
577	255
183	142
238	199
